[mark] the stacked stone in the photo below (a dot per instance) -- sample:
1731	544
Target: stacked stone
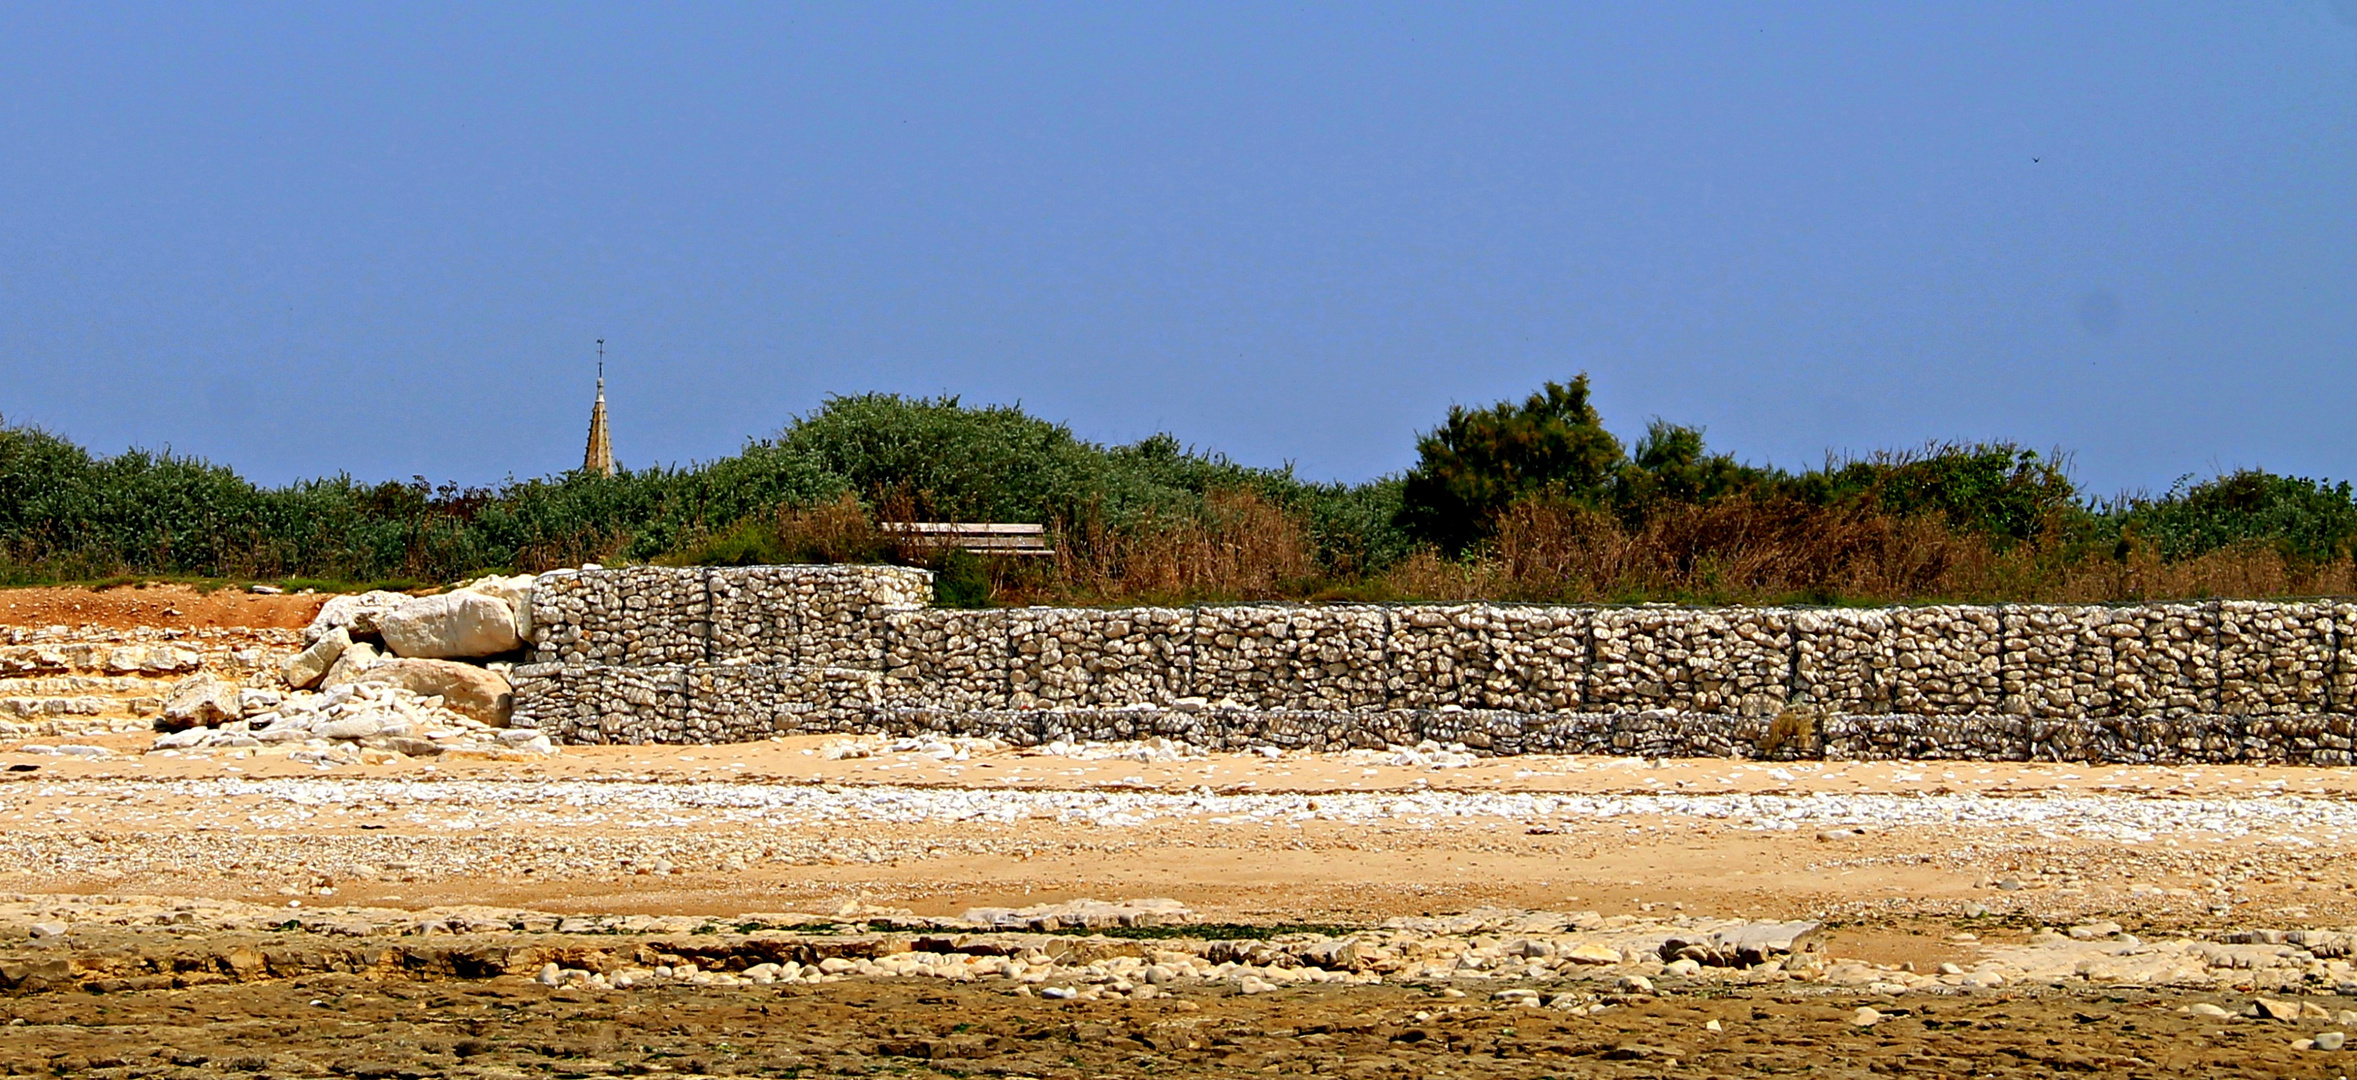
1482	656
1010	726
1650	734
2274	659
1091	658
1953	738
948	659
851	648
711	703
2057	661
1283	657
750	702
2340	686
2165	660
2173	739
1438	656
1842	660
2311	738
635	616
816	616
1537	659
600	704
1945	661
1524	659
754	617
1736	660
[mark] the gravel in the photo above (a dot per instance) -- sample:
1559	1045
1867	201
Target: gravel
281	803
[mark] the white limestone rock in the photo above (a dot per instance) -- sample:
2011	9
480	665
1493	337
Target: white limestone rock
359	614
451	625
305	669
358	657
150	660
202	701
464	688
517	591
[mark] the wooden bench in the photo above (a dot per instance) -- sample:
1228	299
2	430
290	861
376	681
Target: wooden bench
981	538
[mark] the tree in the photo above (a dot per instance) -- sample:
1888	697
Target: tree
1670	465
1482	460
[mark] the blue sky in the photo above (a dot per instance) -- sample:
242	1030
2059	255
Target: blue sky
308	239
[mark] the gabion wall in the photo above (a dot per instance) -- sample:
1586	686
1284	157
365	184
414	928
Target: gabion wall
706	655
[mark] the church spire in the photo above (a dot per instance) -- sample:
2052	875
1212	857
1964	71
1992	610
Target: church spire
599	458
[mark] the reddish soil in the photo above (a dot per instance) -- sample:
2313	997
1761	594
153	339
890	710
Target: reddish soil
125	607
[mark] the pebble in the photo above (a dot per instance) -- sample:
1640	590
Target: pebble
2274	1009
529	804
2331	1040
47	931
2214	1012
1866	1016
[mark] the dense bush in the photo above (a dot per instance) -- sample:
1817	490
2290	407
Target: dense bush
2303	519
1533	499
1481	461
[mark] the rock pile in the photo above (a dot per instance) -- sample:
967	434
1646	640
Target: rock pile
491	617
349	724
398	675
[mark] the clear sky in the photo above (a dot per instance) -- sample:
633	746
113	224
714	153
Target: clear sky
310	238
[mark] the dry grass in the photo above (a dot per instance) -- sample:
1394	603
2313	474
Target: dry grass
1747	551
836	532
1241	547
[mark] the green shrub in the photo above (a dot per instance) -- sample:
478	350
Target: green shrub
1997	490
961	580
2312	520
1470	469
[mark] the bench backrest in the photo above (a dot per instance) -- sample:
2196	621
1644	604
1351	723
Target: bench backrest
989	538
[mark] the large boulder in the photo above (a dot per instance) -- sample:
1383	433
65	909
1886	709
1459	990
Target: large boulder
202	701
357	658
303	670
517	591
464	688
359	614
453	624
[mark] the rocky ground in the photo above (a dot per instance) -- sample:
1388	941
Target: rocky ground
841	906
894	907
